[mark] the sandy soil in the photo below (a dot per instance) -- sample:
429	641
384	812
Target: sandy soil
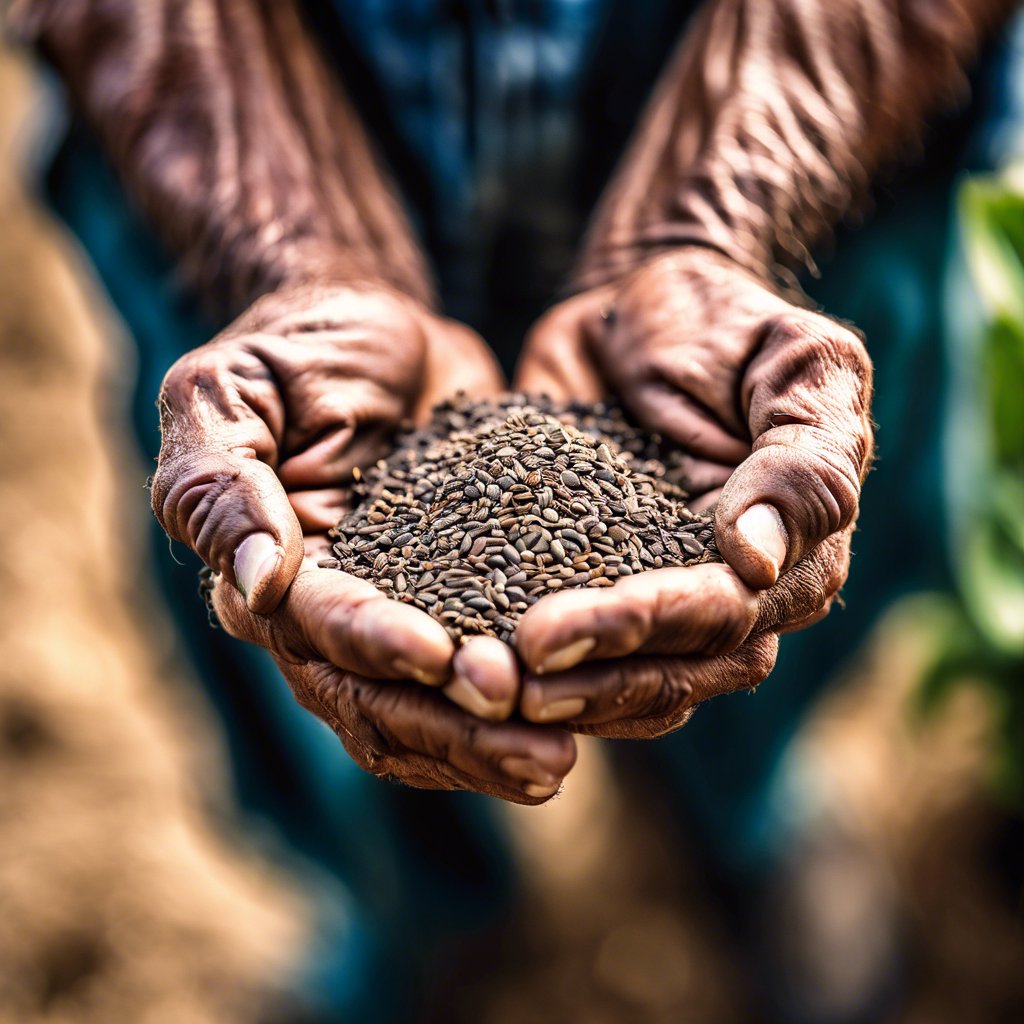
119	899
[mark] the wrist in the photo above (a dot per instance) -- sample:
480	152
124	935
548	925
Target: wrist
609	258
619	268
312	265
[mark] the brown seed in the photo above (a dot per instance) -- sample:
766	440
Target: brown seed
505	502
691	546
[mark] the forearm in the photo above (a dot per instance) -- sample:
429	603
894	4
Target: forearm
771	120
234	140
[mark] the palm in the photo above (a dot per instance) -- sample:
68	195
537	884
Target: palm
770	404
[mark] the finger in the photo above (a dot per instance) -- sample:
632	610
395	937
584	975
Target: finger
664	407
807	393
702	609
645	697
556	359
485	678
805	594
421	738
335	617
215	489
319	510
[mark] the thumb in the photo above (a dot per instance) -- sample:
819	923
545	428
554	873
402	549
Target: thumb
215	489
807	395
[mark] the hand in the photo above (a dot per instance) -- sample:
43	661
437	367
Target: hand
345	650
771	402
262	428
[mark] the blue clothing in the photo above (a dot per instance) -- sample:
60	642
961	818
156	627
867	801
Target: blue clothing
502	121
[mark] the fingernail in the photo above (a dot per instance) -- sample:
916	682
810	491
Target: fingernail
526	770
561	710
462	692
411	671
567	656
537	791
256	558
762	528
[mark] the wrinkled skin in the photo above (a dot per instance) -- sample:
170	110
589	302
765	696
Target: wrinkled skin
772	403
261	430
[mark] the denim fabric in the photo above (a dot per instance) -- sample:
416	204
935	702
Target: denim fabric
501	121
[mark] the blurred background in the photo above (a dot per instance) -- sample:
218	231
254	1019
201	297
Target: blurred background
134	888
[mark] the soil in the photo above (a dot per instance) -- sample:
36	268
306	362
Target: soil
121	896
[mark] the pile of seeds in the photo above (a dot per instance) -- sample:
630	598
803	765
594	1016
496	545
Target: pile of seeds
493	505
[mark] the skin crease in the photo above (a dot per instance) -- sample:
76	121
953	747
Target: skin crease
301	390
721	358
246	156
757	140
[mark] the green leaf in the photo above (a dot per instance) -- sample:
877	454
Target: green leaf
991	570
992	220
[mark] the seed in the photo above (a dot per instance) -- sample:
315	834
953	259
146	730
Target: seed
577	538
477	516
691	546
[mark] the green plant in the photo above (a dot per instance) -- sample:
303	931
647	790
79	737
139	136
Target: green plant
980	628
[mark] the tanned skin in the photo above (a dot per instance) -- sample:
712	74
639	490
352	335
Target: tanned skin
245	155
768	126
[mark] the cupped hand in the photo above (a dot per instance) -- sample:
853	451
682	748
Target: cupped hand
262	429
345	650
771	402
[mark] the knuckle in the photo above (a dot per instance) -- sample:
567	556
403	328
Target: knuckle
182	373
629	622
201	371
841	482
185	493
819	486
783	327
359	706
759	662
847	349
561	759
672	689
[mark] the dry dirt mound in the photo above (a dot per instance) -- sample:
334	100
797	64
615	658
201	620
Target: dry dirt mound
118	899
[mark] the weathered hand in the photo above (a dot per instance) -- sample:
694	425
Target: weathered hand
345	650
771	402
262	428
